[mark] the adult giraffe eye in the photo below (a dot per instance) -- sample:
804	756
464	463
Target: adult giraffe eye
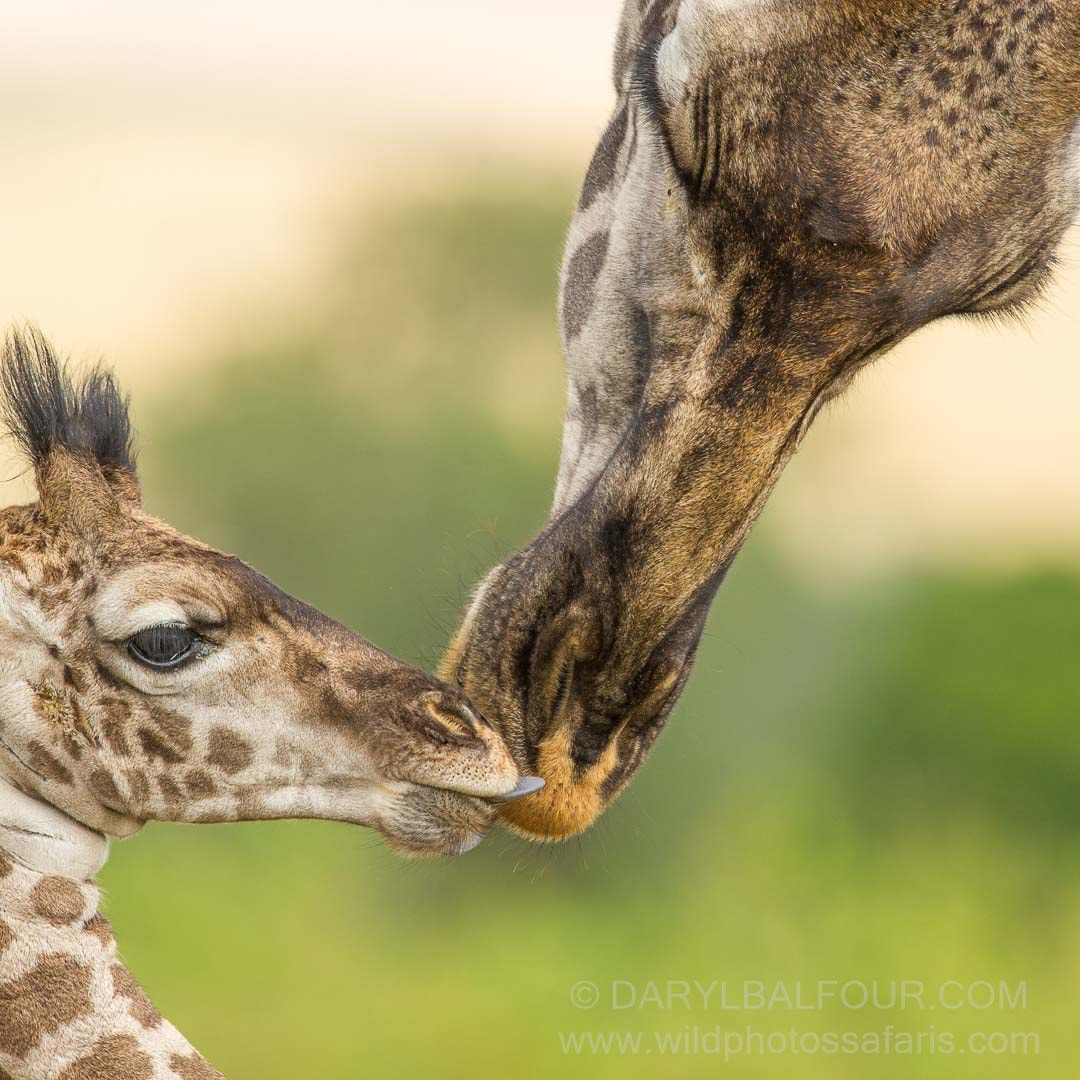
165	646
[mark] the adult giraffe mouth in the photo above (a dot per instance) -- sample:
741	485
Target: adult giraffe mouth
577	703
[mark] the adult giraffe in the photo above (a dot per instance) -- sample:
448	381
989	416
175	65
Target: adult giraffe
787	189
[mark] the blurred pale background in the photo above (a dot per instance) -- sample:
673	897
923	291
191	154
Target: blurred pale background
320	244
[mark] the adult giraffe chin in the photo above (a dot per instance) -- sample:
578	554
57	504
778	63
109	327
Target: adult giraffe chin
787	189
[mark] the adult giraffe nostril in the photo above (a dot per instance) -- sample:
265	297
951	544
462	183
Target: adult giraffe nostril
588	725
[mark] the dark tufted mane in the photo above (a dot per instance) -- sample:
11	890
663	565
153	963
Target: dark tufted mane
45	407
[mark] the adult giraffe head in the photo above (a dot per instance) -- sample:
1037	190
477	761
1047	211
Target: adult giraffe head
787	189
144	675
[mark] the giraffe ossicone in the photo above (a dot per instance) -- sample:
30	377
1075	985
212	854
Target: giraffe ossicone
147	676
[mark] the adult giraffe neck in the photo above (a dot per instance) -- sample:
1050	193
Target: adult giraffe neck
44	839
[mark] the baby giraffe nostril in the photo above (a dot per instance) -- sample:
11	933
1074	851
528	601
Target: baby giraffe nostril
447	745
455	716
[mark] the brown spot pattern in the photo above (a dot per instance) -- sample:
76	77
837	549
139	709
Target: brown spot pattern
200	784
48	766
193	1067
58	900
116	1057
601	172
98	926
170	790
138	785
6	936
140	1007
579	281
104	787
116	715
228	751
49	996
169	741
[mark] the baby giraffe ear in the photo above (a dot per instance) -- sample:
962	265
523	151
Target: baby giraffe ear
76	433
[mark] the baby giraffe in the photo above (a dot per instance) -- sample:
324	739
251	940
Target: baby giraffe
146	676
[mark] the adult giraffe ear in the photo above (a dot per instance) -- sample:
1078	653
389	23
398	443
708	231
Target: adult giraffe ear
671	79
642	25
76	433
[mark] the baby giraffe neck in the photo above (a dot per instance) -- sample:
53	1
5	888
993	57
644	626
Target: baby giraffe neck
68	1009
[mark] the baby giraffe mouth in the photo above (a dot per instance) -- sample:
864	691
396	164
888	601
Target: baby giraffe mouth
434	822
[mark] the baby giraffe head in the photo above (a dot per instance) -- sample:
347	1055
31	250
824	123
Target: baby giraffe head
147	676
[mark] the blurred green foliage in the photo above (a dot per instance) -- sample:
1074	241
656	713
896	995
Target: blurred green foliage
877	785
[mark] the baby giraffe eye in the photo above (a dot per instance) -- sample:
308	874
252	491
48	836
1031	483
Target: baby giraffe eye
166	646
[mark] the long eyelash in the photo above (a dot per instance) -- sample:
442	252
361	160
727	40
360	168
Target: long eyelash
197	650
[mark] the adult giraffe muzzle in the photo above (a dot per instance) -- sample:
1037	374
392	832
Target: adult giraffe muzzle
787	189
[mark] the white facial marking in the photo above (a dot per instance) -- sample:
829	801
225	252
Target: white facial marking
21	615
691	27
115	621
134	600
